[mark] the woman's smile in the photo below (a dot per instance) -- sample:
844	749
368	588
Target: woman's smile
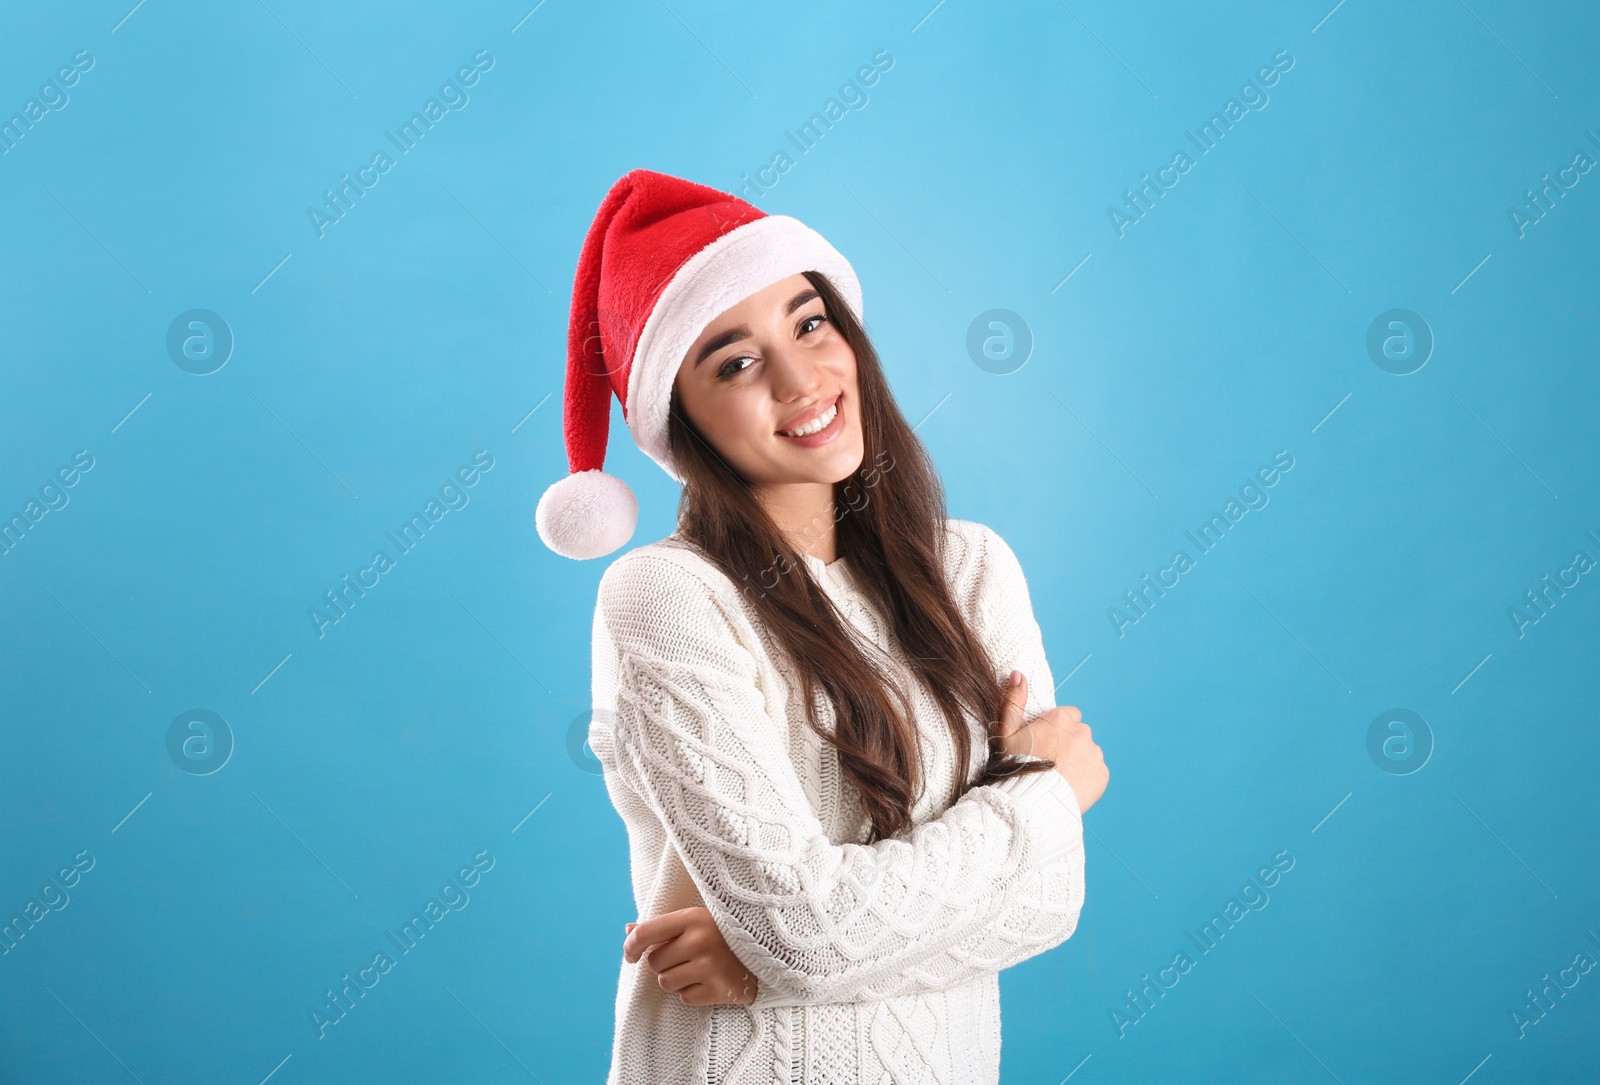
817	426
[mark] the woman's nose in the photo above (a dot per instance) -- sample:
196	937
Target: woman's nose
793	374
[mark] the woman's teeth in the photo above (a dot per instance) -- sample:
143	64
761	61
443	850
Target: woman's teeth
817	423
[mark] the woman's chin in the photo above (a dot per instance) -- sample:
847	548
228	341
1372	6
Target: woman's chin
832	463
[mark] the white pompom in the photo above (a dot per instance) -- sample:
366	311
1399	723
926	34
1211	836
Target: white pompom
586	515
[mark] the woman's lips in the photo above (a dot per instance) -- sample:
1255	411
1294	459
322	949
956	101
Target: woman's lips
826	433
806	417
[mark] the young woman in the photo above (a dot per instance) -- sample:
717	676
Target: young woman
823	709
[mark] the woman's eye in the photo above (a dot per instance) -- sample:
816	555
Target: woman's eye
727	369
818	317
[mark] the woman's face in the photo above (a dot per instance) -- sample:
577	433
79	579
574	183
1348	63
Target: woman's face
773	364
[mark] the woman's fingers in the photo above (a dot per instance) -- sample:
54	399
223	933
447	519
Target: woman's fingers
698	994
690	958
647	932
709	987
680	976
672	953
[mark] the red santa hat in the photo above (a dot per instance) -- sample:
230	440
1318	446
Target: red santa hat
662	259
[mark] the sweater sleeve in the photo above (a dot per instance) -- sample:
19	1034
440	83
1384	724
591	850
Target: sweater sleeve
1006	622
998	877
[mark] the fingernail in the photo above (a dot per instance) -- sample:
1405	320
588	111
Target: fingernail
1016	678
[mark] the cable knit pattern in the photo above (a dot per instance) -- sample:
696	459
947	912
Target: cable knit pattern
876	963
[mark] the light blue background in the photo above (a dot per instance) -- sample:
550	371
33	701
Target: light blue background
373	762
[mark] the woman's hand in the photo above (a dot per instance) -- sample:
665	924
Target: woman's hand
690	957
1058	734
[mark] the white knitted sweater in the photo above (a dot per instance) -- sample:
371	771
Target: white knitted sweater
876	963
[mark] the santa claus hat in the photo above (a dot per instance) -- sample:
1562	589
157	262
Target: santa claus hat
662	259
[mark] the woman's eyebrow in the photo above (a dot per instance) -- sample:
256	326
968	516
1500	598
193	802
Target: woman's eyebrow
799	300
733	335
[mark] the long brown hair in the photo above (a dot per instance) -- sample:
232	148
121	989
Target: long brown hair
891	524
